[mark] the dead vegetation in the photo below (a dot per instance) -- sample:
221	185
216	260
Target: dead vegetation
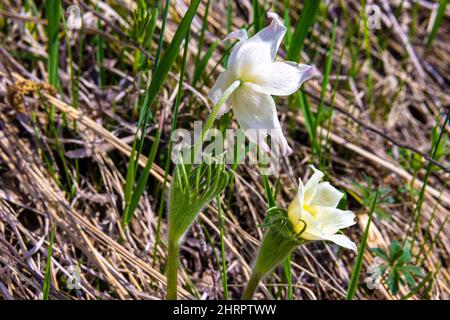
75	181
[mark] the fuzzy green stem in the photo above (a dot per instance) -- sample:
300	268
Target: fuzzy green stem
274	248
251	286
212	117
172	269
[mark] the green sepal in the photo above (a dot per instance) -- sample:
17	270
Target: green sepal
191	189
275	247
278	242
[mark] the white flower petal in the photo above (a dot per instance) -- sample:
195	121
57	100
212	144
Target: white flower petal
240	34
257	116
326	196
313	230
296	207
222	83
283	78
270	37
249	57
311	185
342	241
332	220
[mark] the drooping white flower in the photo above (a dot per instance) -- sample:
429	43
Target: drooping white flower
315	205
252	61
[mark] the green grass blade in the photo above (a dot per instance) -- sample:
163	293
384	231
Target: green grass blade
47	278
229	15
53	15
200	68
163	68
142	179
52	12
100	55
287	21
417	213
353	285
308	115
258	15
288	275
223	270
161	38
307	18
269	194
201	41
169	149
437	22
416	290
325	80
158	77
144	117
367	48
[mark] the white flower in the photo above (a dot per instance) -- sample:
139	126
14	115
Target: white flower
252	62
315	205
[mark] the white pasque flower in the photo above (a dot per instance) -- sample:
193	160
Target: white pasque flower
315	205
252	62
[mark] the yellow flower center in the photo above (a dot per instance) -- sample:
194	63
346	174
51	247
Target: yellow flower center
297	223
311	210
247	75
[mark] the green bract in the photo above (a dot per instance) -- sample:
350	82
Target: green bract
278	242
191	189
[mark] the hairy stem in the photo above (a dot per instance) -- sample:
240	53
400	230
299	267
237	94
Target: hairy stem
274	249
172	269
251	286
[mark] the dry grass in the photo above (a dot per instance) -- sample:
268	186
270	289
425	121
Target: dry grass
410	92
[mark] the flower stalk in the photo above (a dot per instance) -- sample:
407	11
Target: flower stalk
275	247
252	284
172	269
213	115
191	189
